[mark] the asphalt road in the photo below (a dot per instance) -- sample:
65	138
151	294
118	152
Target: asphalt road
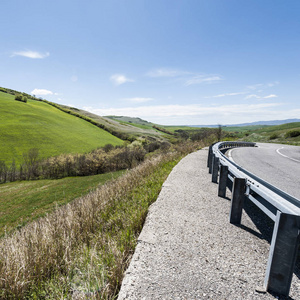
275	163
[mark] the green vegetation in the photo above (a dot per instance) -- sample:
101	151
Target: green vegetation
85	246
285	134
39	125
164	130
292	133
21	98
130	120
27	200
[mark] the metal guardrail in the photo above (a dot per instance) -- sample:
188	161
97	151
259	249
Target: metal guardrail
281	207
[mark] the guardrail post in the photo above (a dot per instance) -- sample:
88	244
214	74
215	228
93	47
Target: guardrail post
223	181
215	169
209	156
211	163
283	253
237	201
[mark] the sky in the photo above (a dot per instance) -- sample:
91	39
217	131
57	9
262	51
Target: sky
171	62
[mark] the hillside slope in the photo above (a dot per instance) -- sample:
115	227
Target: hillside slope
38	125
126	125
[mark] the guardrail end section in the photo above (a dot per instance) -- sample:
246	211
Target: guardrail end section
283	253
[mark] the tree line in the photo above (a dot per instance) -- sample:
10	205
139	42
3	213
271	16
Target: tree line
99	161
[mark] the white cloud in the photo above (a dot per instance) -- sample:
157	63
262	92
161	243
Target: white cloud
227	94
198	79
260	97
41	92
262	85
188	78
163	72
255	86
30	54
252	96
270	96
138	99
119	79
193	114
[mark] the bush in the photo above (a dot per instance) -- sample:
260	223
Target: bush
292	133
21	98
273	136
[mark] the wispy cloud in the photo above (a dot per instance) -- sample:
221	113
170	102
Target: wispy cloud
260	97
41	92
270	96
164	72
31	54
262	85
119	79
138	100
227	94
202	79
187	78
252	96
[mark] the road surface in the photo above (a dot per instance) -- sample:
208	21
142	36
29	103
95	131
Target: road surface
275	163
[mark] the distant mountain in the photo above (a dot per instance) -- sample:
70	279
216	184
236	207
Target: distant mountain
269	123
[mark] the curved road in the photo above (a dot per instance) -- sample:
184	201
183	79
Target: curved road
275	163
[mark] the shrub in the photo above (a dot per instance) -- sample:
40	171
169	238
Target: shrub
108	147
18	97
273	136
292	133
21	98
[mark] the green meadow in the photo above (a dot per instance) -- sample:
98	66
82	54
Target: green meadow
36	124
23	201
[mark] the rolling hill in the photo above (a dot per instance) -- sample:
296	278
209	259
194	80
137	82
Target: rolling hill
36	124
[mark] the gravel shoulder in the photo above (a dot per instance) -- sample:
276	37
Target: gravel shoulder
189	250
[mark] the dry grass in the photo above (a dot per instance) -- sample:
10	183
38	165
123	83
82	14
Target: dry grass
82	249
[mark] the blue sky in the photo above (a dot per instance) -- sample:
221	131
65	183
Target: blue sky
167	61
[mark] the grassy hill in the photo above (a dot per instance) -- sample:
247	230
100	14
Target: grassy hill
288	133
134	127
36	124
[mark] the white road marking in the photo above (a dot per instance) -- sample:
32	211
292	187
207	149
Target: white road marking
278	151
229	155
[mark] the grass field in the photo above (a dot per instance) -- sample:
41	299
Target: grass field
23	201
38	125
274	134
85	246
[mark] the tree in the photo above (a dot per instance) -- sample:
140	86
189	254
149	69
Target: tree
219	133
31	162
